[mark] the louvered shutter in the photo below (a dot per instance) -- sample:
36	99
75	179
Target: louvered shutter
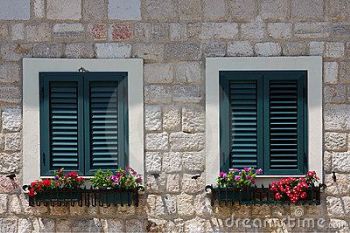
105	120
240	121
285	117
61	122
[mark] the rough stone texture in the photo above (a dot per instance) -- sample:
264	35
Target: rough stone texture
330	70
214	10
253	30
12	119
295	49
8	225
94	10
214	49
115	50
189	9
160	10
47	50
311	30
193	161
13	141
274	9
243	10
341	162
344	70
178	32
153	118
240	49
280	30
172	162
157	141
153	162
17	31
338	10
185	205
64	9
121	32
268	49
38	33
335	93
9	72
124	9
182	51
193	119
39	8
171	118
188	72
218	31
24	225
97	31
186	142
337	117
316	48
15	10
307	9
149	52
159	73
9	163
79	50
334	49
3	203
173	183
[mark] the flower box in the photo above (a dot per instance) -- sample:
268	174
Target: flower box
61	196
234	194
116	196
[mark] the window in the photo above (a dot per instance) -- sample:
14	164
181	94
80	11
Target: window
263	119
48	82
264	112
83	121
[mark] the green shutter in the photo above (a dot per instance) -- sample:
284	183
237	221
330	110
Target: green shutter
105	120
263	121
241	115
60	124
285	116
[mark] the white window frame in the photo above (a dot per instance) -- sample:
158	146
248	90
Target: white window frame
313	66
31	105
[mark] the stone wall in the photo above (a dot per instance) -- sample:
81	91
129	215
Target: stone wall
174	37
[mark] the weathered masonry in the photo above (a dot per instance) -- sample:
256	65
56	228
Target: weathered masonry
181	89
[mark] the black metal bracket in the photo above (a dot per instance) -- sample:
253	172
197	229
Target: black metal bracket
334	177
82	69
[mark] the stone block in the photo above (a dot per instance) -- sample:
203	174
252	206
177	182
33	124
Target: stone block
163	10
47	50
303	10
330	70
172	162
268	49
335	93
182	51
4	31
97	31
121	32
214	10
157	94
311	30
186	142
187	93
159	73
10	94
153	162
14	204
274	9
38	33
152	32
194	30
240	49
171	118
188	72
11	119
64	9
149	52
254	30
113	225
214	49
157	141
173	183
24	225
280	30
39	8
338	10
178	32
113	50
124	9
3	203
155	183
336	141
14	10
193	161
170	204
13	142
134	225
69	32
295	49
95	10
334	49
344	71
9	163
335	207
193	119
15	52
316	48
10	73
79	50
85	225
243	10
8	225
185	205
189	9
155	205
341	162
17	31
153	118
218	31
190	185
337	117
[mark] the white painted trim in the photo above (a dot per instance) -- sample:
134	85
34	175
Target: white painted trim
31	126
313	65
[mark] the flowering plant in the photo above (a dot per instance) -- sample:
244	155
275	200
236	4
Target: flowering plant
124	179
294	189
238	178
71	180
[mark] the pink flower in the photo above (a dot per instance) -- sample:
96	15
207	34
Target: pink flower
259	171
237	178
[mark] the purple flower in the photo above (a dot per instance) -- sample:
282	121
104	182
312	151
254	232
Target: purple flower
249	177
259	171
237	178
247	169
223	175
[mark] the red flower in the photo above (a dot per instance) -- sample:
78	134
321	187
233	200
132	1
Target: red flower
47	183
278	196
31	192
